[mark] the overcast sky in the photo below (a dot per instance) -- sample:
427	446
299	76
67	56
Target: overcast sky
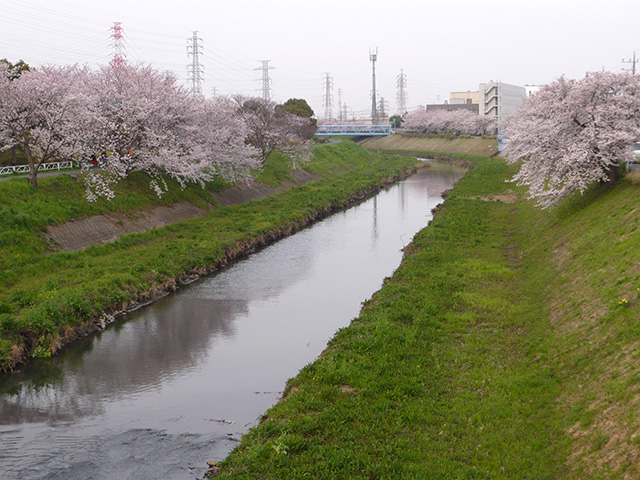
442	46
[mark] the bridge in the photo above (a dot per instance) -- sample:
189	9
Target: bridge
353	130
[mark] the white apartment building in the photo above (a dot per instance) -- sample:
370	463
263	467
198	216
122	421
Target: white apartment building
499	99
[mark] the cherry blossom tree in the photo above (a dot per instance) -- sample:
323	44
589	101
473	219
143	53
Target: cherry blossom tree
44	112
147	123
9	71
573	133
272	128
417	121
222	133
458	122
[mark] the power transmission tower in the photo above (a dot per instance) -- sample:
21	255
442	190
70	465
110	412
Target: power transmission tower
340	118
195	71
328	97
633	62
266	81
373	56
118	58
382	110
401	95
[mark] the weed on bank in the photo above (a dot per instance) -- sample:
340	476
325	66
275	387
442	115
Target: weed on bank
505	346
46	297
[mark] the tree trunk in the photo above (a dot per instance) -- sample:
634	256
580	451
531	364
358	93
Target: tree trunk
33	177
614	173
14	160
33	166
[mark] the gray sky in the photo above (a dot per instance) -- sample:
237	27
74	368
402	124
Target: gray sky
442	46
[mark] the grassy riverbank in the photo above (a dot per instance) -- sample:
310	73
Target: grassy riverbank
504	347
48	299
435	144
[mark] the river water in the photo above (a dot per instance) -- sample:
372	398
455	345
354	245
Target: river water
180	381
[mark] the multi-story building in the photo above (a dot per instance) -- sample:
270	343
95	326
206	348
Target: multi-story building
499	99
463	97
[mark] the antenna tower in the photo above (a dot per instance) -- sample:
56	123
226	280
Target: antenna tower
401	95
373	56
118	44
266	81
195	71
328	97
633	62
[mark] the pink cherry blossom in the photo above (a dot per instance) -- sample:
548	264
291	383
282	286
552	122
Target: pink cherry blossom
272	128
573	133
458	122
147	123
44	112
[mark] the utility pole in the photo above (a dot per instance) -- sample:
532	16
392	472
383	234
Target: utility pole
265	80
118	58
401	95
633	62
373	56
328	97
195	71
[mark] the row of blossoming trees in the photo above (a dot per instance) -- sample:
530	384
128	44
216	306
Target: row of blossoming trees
137	119
568	136
458	122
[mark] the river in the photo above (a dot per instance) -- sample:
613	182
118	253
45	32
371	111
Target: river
180	381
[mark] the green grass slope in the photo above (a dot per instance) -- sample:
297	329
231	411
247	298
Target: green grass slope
414	142
47	299
505	346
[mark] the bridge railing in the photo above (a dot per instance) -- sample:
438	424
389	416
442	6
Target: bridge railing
353	130
43	168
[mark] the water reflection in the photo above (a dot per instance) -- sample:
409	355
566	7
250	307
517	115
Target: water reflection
219	349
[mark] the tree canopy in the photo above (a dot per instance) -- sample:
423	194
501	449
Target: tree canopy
273	128
299	107
458	122
15	70
138	119
573	133
44	112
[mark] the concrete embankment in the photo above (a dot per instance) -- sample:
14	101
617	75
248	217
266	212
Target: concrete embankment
99	229
50	298
414	142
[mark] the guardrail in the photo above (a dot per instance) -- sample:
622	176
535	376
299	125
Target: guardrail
357	130
43	168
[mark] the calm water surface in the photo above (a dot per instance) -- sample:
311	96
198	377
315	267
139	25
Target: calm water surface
179	382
